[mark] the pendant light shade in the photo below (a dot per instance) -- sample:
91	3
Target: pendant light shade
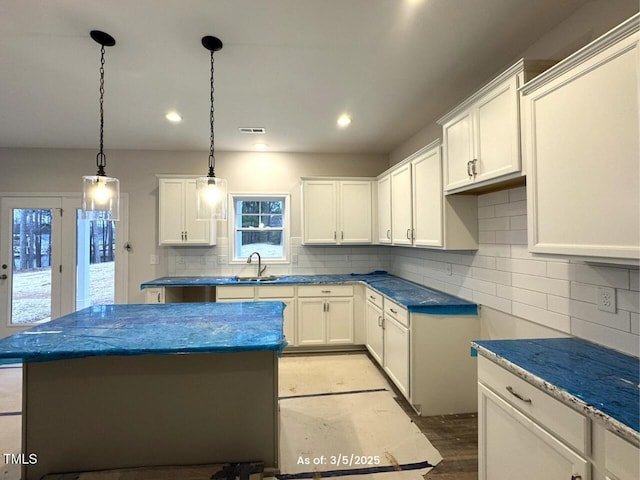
211	191
100	193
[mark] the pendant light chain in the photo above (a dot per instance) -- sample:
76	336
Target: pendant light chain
212	158
101	158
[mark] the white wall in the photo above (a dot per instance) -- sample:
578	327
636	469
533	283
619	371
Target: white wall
60	170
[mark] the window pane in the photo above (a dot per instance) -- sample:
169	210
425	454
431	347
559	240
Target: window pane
31	285
268	244
250	207
95	262
271	220
271	207
249	221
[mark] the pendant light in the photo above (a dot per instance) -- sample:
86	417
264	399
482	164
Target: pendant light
211	191
100	193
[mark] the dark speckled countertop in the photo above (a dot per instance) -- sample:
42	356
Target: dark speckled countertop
597	381
415	298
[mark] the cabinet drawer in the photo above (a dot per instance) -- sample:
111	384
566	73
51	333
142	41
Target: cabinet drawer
396	311
552	414
374	297
620	457
245	293
276	291
325	291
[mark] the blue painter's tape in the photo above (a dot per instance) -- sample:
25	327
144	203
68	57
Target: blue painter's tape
474	352
355	471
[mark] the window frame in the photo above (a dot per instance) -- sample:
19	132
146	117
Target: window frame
233	229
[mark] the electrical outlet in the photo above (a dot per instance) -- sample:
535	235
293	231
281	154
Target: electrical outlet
294	258
447	268
606	299
154	260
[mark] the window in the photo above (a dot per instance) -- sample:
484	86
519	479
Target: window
260	224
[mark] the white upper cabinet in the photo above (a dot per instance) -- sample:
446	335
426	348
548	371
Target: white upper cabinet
426	189
580	142
421	215
337	211
177	214
384	209
401	205
481	136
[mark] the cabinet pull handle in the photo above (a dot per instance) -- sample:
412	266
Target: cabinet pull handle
392	310
469	168
517	395
388	234
575	476
326	291
380	321
408	233
473	166
372	297
341	235
335	235
158	297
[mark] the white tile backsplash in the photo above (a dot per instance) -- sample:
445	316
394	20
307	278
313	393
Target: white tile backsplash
554	291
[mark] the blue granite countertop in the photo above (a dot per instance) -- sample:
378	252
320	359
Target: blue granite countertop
152	329
415	298
600	382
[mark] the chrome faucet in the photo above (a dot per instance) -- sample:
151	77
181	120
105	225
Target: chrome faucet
261	269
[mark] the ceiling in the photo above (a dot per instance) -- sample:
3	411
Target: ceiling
290	66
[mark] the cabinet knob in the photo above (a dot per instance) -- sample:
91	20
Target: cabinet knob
3	276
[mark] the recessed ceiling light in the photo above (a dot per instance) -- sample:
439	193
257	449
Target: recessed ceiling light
344	120
173	117
261	146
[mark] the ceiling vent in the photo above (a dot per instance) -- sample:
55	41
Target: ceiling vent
259	130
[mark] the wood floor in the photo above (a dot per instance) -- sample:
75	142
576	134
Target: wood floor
455	437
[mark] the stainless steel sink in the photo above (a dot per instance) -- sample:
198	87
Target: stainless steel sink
266	278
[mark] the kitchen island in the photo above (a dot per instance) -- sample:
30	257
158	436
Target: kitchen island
147	385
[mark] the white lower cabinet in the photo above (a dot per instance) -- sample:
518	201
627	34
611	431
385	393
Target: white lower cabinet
525	433
374	325
154	295
281	293
622	460
514	446
396	353
325	315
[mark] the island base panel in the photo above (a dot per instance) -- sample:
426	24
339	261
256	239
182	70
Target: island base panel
150	410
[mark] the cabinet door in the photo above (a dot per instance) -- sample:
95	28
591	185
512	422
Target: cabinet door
458	150
373	320
289	320
154	295
196	231
513	446
427	199
355	212
401	205
384	209
171	211
311	321
396	353
339	317
497	137
582	148
319	211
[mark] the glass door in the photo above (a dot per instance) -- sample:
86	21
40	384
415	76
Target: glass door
30	266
